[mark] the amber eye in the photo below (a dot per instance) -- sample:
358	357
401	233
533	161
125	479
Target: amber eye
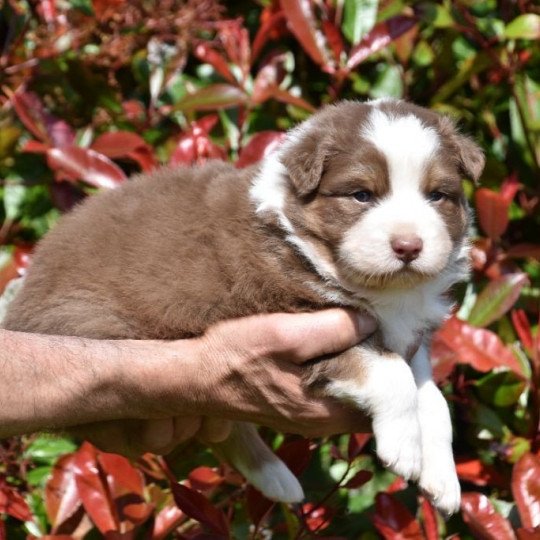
363	196
436	196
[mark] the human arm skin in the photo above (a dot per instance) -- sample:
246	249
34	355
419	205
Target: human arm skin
136	395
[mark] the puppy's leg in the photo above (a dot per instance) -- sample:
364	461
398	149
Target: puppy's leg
438	477
245	449
382	384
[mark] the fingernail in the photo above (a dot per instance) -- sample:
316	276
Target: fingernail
366	324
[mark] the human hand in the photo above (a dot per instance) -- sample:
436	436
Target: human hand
247	369
253	370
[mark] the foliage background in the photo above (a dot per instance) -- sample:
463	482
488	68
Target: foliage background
94	90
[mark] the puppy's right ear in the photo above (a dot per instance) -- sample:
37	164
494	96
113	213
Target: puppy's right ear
303	154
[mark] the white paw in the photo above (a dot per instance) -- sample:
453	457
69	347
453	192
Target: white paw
440	484
275	481
399	444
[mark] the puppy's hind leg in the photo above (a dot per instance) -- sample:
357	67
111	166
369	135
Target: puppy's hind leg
245	449
438	478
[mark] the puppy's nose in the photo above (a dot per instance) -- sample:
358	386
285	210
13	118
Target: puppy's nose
407	247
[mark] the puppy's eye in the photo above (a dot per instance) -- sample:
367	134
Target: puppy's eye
363	196
436	196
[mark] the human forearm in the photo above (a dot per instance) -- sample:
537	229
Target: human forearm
53	382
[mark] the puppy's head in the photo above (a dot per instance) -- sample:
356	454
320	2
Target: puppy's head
371	193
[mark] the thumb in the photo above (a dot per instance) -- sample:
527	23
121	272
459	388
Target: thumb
298	337
306	336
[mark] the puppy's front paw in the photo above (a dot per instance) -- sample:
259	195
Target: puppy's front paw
440	484
399	444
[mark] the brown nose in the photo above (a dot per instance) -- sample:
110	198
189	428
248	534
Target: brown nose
407	248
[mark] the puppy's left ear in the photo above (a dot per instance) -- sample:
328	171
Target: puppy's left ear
304	154
470	155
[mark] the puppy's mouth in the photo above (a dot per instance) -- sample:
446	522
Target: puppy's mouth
404	277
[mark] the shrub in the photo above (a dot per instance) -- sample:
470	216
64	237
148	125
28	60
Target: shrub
93	91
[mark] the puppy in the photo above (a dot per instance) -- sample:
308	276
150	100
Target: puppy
362	206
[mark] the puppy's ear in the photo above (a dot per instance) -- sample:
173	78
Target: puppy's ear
304	155
470	155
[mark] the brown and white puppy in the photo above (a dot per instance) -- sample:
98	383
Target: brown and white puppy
362	206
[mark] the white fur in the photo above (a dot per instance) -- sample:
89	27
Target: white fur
268	192
407	146
411	421
438	478
389	394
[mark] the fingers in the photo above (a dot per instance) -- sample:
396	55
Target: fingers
214	430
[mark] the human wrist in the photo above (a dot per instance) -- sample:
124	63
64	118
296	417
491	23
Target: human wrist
161	379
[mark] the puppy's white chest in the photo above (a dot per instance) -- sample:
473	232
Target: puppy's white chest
405	315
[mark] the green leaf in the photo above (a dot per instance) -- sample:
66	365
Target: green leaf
388	84
213	97
500	389
47	449
13	197
524	27
359	18
496	299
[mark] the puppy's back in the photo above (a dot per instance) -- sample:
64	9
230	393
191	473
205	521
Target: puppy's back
164	256
110	268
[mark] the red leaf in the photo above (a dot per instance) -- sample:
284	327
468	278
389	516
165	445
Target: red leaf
526	489
31	113
61	494
204	478
492	210
524	250
357	441
378	38
7	273
399	484
393	520
195	145
167	521
480	474
268	78
359	479
286	97
35	147
528	533
76	163
482	349
39	122
198	507
523	328
258	505
213	97
259	146
429	516
484	522
12	503
333	36
119	144
271	28
204	52
301	21
122	476
317	517
234	38
296	454
509	188
93	491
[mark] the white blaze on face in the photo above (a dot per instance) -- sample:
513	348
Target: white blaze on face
407	146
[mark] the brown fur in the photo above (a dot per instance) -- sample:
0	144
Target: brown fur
171	253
